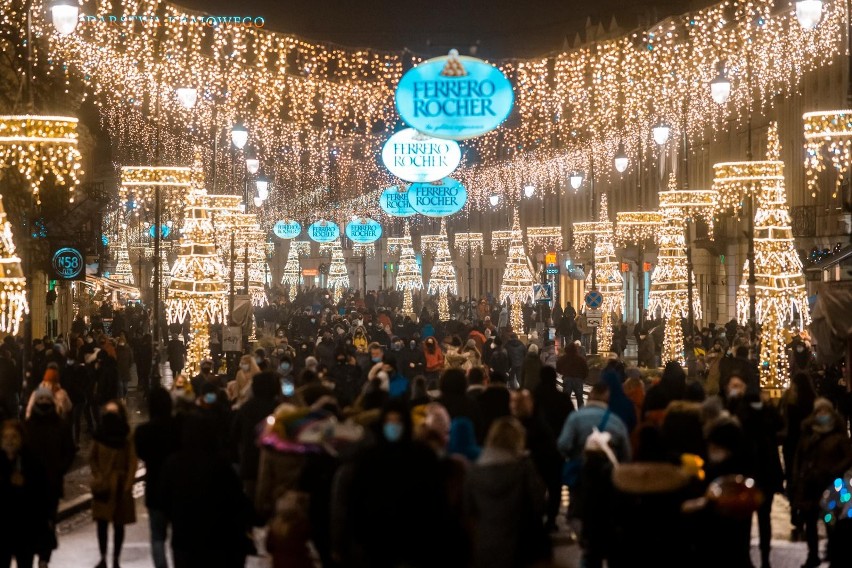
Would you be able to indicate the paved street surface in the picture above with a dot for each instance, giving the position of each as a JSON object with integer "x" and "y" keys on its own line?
{"x": 78, "y": 545}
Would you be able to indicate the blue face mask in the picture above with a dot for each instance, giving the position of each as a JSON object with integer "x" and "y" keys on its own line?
{"x": 376, "y": 359}
{"x": 284, "y": 367}
{"x": 392, "y": 431}
{"x": 824, "y": 419}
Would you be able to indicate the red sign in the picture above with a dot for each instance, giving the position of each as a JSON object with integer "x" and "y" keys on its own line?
{"x": 646, "y": 267}
{"x": 625, "y": 267}
{"x": 310, "y": 272}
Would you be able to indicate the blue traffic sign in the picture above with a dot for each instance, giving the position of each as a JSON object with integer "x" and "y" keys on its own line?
{"x": 593, "y": 299}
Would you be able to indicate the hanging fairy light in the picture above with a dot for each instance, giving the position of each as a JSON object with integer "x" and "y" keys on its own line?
{"x": 338, "y": 275}
{"x": 609, "y": 280}
{"x": 517, "y": 285}
{"x": 548, "y": 238}
{"x": 13, "y": 285}
{"x": 442, "y": 278}
{"x": 140, "y": 184}
{"x": 584, "y": 233}
{"x": 394, "y": 244}
{"x": 364, "y": 250}
{"x": 38, "y": 146}
{"x": 736, "y": 181}
{"x": 465, "y": 242}
{"x": 500, "y": 240}
{"x": 780, "y": 293}
{"x": 409, "y": 277}
{"x": 636, "y": 227}
{"x": 429, "y": 243}
{"x": 827, "y": 134}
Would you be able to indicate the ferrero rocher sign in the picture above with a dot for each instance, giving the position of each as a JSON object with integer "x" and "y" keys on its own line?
{"x": 416, "y": 157}
{"x": 438, "y": 198}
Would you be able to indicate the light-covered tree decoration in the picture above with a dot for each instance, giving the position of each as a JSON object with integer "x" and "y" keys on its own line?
{"x": 409, "y": 277}
{"x": 517, "y": 285}
{"x": 781, "y": 296}
{"x": 442, "y": 278}
{"x": 338, "y": 275}
{"x": 13, "y": 285}
{"x": 123, "y": 272}
{"x": 292, "y": 272}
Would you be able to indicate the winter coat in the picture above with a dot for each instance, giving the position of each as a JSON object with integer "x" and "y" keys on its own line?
{"x": 434, "y": 361}
{"x": 517, "y": 352}
{"x": 572, "y": 364}
{"x": 820, "y": 458}
{"x": 552, "y": 406}
{"x": 531, "y": 371}
{"x": 761, "y": 426}
{"x": 26, "y": 511}
{"x": 505, "y": 499}
{"x": 646, "y": 353}
{"x": 124, "y": 360}
{"x": 155, "y": 441}
{"x": 49, "y": 439}
{"x": 503, "y": 321}
{"x": 499, "y": 362}
{"x": 247, "y": 420}
{"x": 493, "y": 404}
{"x": 113, "y": 475}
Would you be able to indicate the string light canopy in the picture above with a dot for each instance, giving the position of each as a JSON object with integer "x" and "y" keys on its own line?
{"x": 13, "y": 285}
{"x": 828, "y": 138}
{"x": 40, "y": 146}
{"x": 637, "y": 227}
{"x": 272, "y": 83}
{"x": 338, "y": 276}
{"x": 442, "y": 278}
{"x": 465, "y": 242}
{"x": 735, "y": 181}
{"x": 364, "y": 249}
{"x": 292, "y": 272}
{"x": 500, "y": 240}
{"x": 780, "y": 294}
{"x": 517, "y": 285}
{"x": 394, "y": 244}
{"x": 409, "y": 277}
{"x": 547, "y": 238}
{"x": 197, "y": 289}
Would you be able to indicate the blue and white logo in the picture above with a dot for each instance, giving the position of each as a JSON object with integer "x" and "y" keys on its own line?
{"x": 416, "y": 157}
{"x": 324, "y": 231}
{"x": 364, "y": 230}
{"x": 395, "y": 202}
{"x": 437, "y": 199}
{"x": 67, "y": 263}
{"x": 286, "y": 229}
{"x": 454, "y": 97}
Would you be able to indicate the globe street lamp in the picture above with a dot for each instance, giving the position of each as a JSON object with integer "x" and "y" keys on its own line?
{"x": 239, "y": 136}
{"x": 661, "y": 132}
{"x": 576, "y": 179}
{"x": 187, "y": 96}
{"x": 529, "y": 190}
{"x": 809, "y": 13}
{"x": 720, "y": 86}
{"x": 494, "y": 200}
{"x": 252, "y": 165}
{"x": 621, "y": 160}
{"x": 64, "y": 14}
{"x": 262, "y": 185}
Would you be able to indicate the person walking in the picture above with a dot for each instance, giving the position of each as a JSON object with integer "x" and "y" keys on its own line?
{"x": 505, "y": 500}
{"x": 113, "y": 463}
{"x": 155, "y": 441}
{"x": 124, "y": 361}
{"x": 239, "y": 390}
{"x": 517, "y": 352}
{"x": 176, "y": 355}
{"x": 574, "y": 370}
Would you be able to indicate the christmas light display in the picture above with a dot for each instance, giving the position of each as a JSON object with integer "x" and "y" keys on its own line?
{"x": 780, "y": 294}
{"x": 637, "y": 227}
{"x": 165, "y": 270}
{"x": 251, "y": 74}
{"x": 584, "y": 234}
{"x": 122, "y": 272}
{"x": 517, "y": 285}
{"x": 429, "y": 243}
{"x": 338, "y": 275}
{"x": 37, "y": 146}
{"x": 394, "y": 244}
{"x": 442, "y": 278}
{"x": 139, "y": 186}
{"x": 364, "y": 249}
{"x": 292, "y": 272}
{"x": 13, "y": 285}
{"x": 827, "y": 134}
{"x": 465, "y": 242}
{"x": 409, "y": 277}
{"x": 197, "y": 289}
{"x": 500, "y": 240}
{"x": 735, "y": 181}
{"x": 546, "y": 238}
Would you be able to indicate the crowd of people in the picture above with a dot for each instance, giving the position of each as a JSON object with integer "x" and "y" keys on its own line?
{"x": 360, "y": 436}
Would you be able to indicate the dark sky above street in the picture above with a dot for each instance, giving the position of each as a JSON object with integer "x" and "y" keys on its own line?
{"x": 503, "y": 28}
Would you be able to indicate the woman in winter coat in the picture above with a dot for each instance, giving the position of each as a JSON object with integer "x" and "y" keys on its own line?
{"x": 532, "y": 368}
{"x": 505, "y": 500}
{"x": 239, "y": 390}
{"x": 797, "y": 403}
{"x": 113, "y": 464}
{"x": 823, "y": 454}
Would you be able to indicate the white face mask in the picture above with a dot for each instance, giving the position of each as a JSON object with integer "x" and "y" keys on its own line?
{"x": 245, "y": 367}
{"x": 717, "y": 456}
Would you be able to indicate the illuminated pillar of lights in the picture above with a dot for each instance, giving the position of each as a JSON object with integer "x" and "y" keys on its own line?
{"x": 409, "y": 277}
{"x": 13, "y": 292}
{"x": 292, "y": 272}
{"x": 517, "y": 285}
{"x": 442, "y": 278}
{"x": 780, "y": 293}
{"x": 827, "y": 135}
{"x": 123, "y": 272}
{"x": 197, "y": 289}
{"x": 338, "y": 275}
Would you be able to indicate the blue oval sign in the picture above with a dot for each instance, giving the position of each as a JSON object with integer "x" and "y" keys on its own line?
{"x": 395, "y": 203}
{"x": 455, "y": 97}
{"x": 438, "y": 198}
{"x": 286, "y": 229}
{"x": 413, "y": 156}
{"x": 324, "y": 231}
{"x": 364, "y": 231}
{"x": 67, "y": 263}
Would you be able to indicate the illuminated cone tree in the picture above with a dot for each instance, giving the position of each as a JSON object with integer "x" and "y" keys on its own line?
{"x": 442, "y": 278}
{"x": 338, "y": 275}
{"x": 123, "y": 272}
{"x": 780, "y": 287}
{"x": 197, "y": 290}
{"x": 408, "y": 278}
{"x": 292, "y": 272}
{"x": 517, "y": 285}
{"x": 13, "y": 285}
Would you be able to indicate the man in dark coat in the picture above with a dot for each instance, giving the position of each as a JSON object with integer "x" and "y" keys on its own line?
{"x": 516, "y": 351}
{"x": 412, "y": 360}
{"x": 493, "y": 402}
{"x": 156, "y": 441}
{"x": 454, "y": 398}
{"x": 265, "y": 388}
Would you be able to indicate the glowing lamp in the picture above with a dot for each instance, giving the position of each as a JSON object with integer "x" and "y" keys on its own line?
{"x": 252, "y": 165}
{"x": 64, "y": 14}
{"x": 239, "y": 136}
{"x": 187, "y": 96}
{"x": 576, "y": 180}
{"x": 262, "y": 185}
{"x": 809, "y": 13}
{"x": 720, "y": 87}
{"x": 621, "y": 160}
{"x": 661, "y": 132}
{"x": 529, "y": 190}
{"x": 494, "y": 200}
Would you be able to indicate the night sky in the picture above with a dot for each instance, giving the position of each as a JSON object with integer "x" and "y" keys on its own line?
{"x": 502, "y": 28}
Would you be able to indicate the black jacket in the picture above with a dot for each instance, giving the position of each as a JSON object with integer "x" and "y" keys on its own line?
{"x": 493, "y": 404}
{"x": 244, "y": 433}
{"x": 156, "y": 440}
{"x": 516, "y": 351}
{"x": 49, "y": 439}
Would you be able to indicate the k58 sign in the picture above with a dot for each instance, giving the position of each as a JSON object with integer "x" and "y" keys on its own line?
{"x": 454, "y": 97}
{"x": 438, "y": 198}
{"x": 415, "y": 157}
